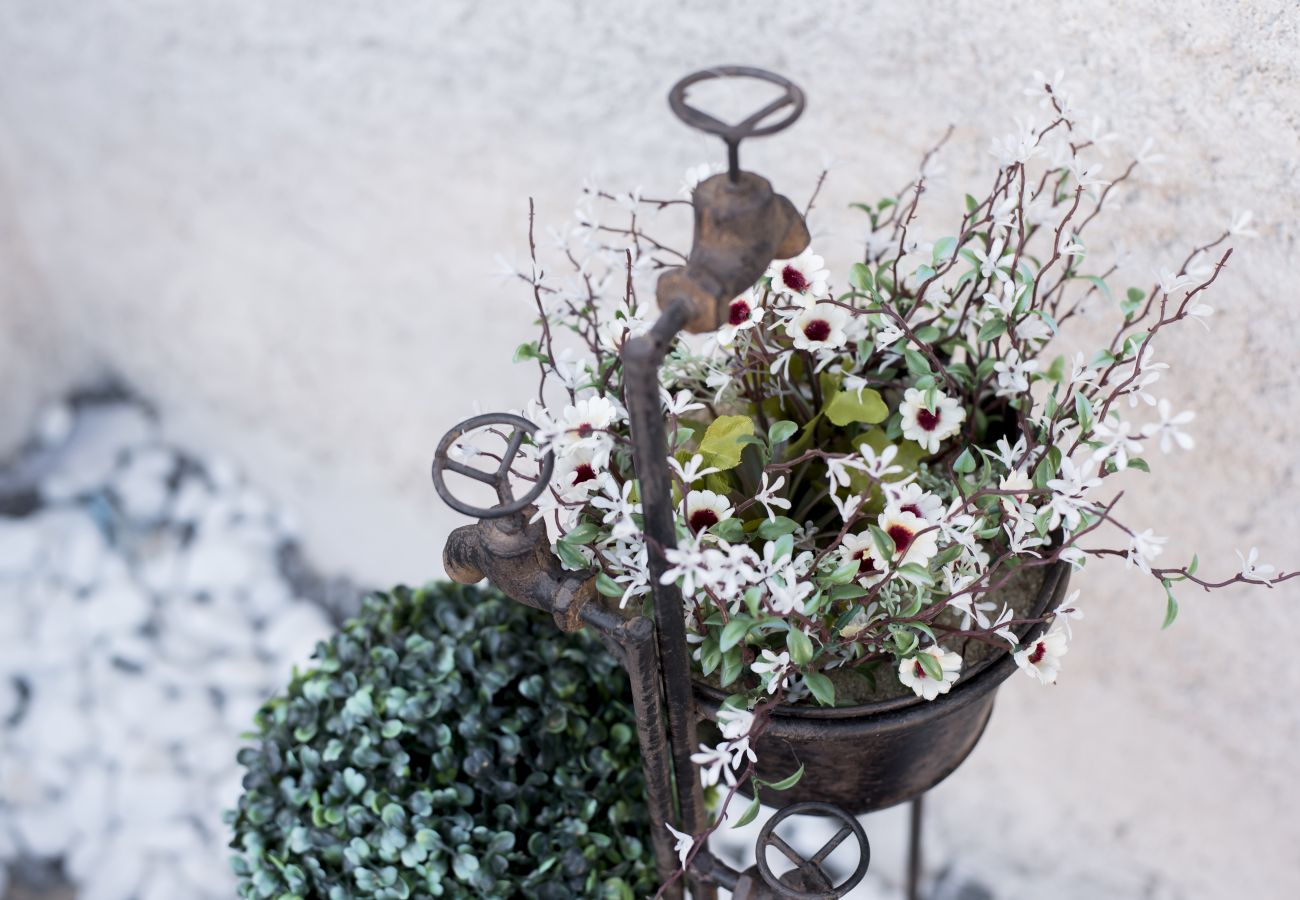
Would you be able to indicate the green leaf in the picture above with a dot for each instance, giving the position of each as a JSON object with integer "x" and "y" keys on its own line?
{"x": 770, "y": 529}
{"x": 730, "y": 530}
{"x": 1100, "y": 284}
{"x": 528, "y": 350}
{"x": 847, "y": 406}
{"x": 721, "y": 445}
{"x": 750, "y": 814}
{"x": 850, "y": 591}
{"x": 733, "y": 663}
{"x": 582, "y": 534}
{"x": 845, "y": 572}
{"x": 607, "y": 586}
{"x": 1056, "y": 371}
{"x": 992, "y": 329}
{"x": 1083, "y": 412}
{"x": 821, "y": 688}
{"x": 783, "y": 547}
{"x": 800, "y": 647}
{"x": 931, "y": 665}
{"x": 790, "y": 780}
{"x": 965, "y": 462}
{"x": 781, "y": 431}
{"x": 1139, "y": 463}
{"x": 917, "y": 364}
{"x": 734, "y": 632}
{"x": 860, "y": 278}
{"x": 1171, "y": 605}
{"x": 943, "y": 250}
{"x": 884, "y": 543}
{"x": 571, "y": 558}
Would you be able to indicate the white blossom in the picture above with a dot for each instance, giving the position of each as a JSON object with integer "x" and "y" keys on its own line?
{"x": 1041, "y": 658}
{"x": 991, "y": 263}
{"x": 1013, "y": 373}
{"x": 693, "y": 470}
{"x": 805, "y": 277}
{"x": 1143, "y": 548}
{"x": 1168, "y": 430}
{"x": 767, "y": 496}
{"x": 685, "y": 843}
{"x": 1117, "y": 441}
{"x": 1239, "y": 225}
{"x": 678, "y": 404}
{"x": 930, "y": 427}
{"x": 912, "y": 673}
{"x": 774, "y": 664}
{"x": 1252, "y": 569}
{"x": 819, "y": 327}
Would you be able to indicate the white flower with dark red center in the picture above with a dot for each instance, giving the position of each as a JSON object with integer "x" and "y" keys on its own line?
{"x": 912, "y": 673}
{"x": 820, "y": 327}
{"x": 917, "y": 500}
{"x": 862, "y": 548}
{"x": 1041, "y": 658}
{"x": 704, "y": 509}
{"x": 915, "y": 541}
{"x": 578, "y": 473}
{"x": 743, "y": 313}
{"x": 584, "y": 425}
{"x": 930, "y": 427}
{"x": 805, "y": 276}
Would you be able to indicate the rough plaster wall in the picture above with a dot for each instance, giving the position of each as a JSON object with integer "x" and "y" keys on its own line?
{"x": 279, "y": 221}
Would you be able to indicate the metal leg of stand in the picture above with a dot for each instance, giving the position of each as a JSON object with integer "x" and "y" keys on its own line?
{"x": 914, "y": 851}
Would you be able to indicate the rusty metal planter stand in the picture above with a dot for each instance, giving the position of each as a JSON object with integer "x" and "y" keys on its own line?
{"x": 741, "y": 225}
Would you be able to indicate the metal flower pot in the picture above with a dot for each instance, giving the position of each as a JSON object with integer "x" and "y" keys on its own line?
{"x": 870, "y": 757}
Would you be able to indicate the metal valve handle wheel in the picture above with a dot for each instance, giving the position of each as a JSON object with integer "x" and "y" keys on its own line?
{"x": 810, "y": 868}
{"x": 499, "y": 479}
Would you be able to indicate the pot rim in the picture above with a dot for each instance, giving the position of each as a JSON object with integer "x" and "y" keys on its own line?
{"x": 886, "y": 715}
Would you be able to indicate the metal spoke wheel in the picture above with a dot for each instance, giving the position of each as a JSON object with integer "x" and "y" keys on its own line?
{"x": 809, "y": 881}
{"x": 752, "y": 125}
{"x": 498, "y": 478}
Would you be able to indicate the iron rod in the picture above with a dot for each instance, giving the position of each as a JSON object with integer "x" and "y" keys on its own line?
{"x": 914, "y": 850}
{"x": 642, "y": 357}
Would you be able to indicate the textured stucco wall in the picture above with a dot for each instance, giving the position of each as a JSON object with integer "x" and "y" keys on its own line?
{"x": 278, "y": 221}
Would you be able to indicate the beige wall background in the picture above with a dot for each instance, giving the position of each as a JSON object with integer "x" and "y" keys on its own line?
{"x": 278, "y": 222}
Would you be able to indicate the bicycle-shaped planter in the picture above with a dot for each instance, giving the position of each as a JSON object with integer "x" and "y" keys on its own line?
{"x": 741, "y": 225}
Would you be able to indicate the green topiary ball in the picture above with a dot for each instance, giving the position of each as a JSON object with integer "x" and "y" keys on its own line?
{"x": 450, "y": 743}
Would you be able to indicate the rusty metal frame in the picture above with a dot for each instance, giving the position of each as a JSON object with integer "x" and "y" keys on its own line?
{"x": 741, "y": 225}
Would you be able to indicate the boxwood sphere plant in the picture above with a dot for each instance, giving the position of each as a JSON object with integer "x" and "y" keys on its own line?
{"x": 449, "y": 743}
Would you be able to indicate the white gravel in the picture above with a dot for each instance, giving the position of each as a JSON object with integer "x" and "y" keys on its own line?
{"x": 144, "y": 616}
